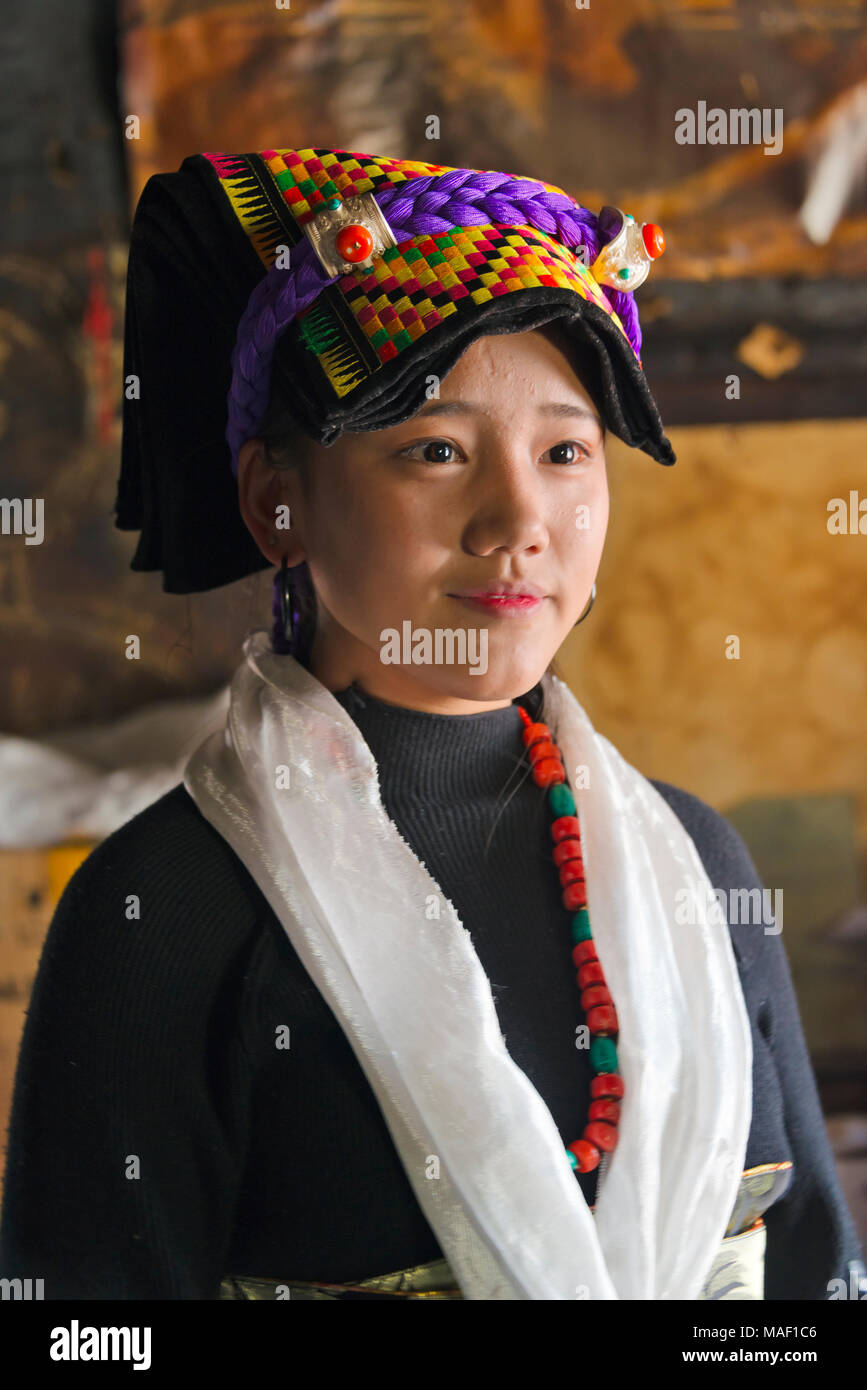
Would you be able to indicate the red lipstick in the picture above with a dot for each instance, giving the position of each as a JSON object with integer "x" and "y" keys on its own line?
{"x": 510, "y": 599}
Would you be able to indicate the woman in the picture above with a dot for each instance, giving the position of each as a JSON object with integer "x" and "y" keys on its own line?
{"x": 414, "y": 987}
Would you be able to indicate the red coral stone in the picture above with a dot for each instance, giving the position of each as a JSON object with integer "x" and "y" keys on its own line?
{"x": 548, "y": 771}
{"x": 602, "y": 1019}
{"x": 596, "y": 994}
{"x": 605, "y": 1110}
{"x": 543, "y": 749}
{"x": 567, "y": 849}
{"x": 602, "y": 1135}
{"x": 590, "y": 974}
{"x": 572, "y": 872}
{"x": 575, "y": 896}
{"x": 607, "y": 1083}
{"x": 565, "y": 827}
{"x": 654, "y": 241}
{"x": 354, "y": 242}
{"x": 588, "y": 1155}
{"x": 584, "y": 951}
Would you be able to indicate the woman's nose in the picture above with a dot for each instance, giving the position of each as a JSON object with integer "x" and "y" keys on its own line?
{"x": 508, "y": 509}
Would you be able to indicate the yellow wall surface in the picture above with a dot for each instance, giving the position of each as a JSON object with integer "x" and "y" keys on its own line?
{"x": 732, "y": 541}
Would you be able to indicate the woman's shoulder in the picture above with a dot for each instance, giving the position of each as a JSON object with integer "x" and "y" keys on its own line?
{"x": 171, "y": 828}
{"x": 167, "y": 865}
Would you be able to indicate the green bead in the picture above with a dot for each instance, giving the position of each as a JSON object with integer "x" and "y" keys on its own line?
{"x": 603, "y": 1055}
{"x": 561, "y": 802}
{"x": 581, "y": 926}
{"x": 624, "y": 273}
{"x": 572, "y": 1159}
{"x": 332, "y": 204}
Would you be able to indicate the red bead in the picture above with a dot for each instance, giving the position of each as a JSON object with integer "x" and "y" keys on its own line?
{"x": 548, "y": 771}
{"x": 607, "y": 1083}
{"x": 543, "y": 749}
{"x": 588, "y": 1155}
{"x": 534, "y": 732}
{"x": 584, "y": 951}
{"x": 574, "y": 896}
{"x": 567, "y": 849}
{"x": 354, "y": 242}
{"x": 564, "y": 827}
{"x": 602, "y": 1019}
{"x": 591, "y": 974}
{"x": 608, "y": 1110}
{"x": 602, "y": 1135}
{"x": 596, "y": 994}
{"x": 572, "y": 872}
{"x": 654, "y": 241}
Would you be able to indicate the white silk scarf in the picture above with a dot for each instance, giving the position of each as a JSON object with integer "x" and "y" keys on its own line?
{"x": 293, "y": 788}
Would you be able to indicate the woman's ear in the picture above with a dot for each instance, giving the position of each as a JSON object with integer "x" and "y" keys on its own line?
{"x": 270, "y": 501}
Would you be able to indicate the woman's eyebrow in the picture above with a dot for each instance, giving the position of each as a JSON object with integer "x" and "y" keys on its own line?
{"x": 555, "y": 408}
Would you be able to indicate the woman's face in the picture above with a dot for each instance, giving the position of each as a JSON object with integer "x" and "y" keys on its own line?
{"x": 500, "y": 478}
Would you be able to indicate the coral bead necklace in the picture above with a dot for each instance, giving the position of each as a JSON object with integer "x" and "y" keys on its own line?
{"x": 606, "y": 1089}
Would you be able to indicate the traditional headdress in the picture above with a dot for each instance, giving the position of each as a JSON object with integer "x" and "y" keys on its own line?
{"x": 345, "y": 280}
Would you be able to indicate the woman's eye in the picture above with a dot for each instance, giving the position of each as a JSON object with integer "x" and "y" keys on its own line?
{"x": 578, "y": 451}
{"x": 569, "y": 452}
{"x": 432, "y": 450}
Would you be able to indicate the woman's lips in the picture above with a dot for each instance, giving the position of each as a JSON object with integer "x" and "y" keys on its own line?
{"x": 509, "y": 605}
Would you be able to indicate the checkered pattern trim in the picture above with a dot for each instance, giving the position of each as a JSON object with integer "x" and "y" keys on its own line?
{"x": 412, "y": 288}
{"x": 307, "y": 178}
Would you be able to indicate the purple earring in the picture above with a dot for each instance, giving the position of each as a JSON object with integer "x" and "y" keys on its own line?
{"x": 284, "y": 611}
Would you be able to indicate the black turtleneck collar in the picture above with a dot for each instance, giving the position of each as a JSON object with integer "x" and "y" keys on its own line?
{"x": 437, "y": 756}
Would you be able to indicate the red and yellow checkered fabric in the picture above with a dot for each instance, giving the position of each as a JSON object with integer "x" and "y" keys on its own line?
{"x": 413, "y": 287}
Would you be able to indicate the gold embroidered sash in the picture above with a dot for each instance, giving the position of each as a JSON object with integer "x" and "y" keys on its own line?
{"x": 737, "y": 1272}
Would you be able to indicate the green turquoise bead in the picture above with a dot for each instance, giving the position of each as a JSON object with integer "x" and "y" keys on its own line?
{"x": 572, "y": 1159}
{"x": 561, "y": 802}
{"x": 603, "y": 1055}
{"x": 581, "y": 926}
{"x": 623, "y": 274}
{"x": 332, "y": 204}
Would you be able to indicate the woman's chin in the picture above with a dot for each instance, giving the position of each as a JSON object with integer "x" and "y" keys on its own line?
{"x": 498, "y": 683}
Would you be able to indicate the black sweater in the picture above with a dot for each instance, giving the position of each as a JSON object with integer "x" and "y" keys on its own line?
{"x": 159, "y": 1140}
